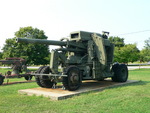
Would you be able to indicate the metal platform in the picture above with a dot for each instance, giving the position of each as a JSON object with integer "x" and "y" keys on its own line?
{"x": 59, "y": 93}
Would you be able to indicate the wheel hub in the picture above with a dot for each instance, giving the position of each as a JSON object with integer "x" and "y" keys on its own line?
{"x": 74, "y": 78}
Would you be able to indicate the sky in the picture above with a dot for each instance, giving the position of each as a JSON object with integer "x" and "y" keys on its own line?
{"x": 128, "y": 19}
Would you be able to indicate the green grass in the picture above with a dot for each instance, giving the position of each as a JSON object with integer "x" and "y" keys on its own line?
{"x": 131, "y": 98}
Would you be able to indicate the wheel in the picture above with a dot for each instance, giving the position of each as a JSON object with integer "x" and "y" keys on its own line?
{"x": 120, "y": 73}
{"x": 73, "y": 80}
{"x": 1, "y": 79}
{"x": 28, "y": 77}
{"x": 37, "y": 78}
{"x": 114, "y": 70}
{"x": 101, "y": 79}
{"x": 45, "y": 81}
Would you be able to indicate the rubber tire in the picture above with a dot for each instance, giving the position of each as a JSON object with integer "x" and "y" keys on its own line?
{"x": 28, "y": 77}
{"x": 67, "y": 80}
{"x": 102, "y": 79}
{"x": 1, "y": 79}
{"x": 46, "y": 83}
{"x": 114, "y": 70}
{"x": 37, "y": 78}
{"x": 120, "y": 73}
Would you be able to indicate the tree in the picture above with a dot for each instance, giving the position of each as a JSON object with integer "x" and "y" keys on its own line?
{"x": 145, "y": 53}
{"x": 1, "y": 54}
{"x": 34, "y": 53}
{"x": 124, "y": 53}
{"x": 147, "y": 44}
{"x": 127, "y": 53}
{"x": 119, "y": 42}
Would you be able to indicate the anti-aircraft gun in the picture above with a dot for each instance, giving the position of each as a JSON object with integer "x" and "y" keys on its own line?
{"x": 18, "y": 66}
{"x": 86, "y": 56}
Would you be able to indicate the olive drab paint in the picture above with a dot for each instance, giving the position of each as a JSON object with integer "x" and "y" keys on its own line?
{"x": 84, "y": 56}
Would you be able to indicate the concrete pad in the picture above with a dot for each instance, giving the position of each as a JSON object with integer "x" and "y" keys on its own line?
{"x": 59, "y": 93}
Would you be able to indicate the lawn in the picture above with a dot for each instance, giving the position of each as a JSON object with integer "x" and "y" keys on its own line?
{"x": 132, "y": 98}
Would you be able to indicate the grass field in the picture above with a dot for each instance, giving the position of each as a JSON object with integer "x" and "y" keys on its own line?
{"x": 132, "y": 98}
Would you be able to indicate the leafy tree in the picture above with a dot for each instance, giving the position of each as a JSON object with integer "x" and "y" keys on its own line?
{"x": 34, "y": 53}
{"x": 119, "y": 42}
{"x": 127, "y": 53}
{"x": 1, "y": 54}
{"x": 145, "y": 53}
{"x": 147, "y": 44}
{"x": 124, "y": 53}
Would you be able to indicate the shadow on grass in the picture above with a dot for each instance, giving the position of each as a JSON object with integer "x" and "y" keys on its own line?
{"x": 138, "y": 83}
{"x": 17, "y": 82}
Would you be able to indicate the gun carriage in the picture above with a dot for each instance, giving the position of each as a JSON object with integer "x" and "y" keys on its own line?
{"x": 85, "y": 56}
{"x": 19, "y": 69}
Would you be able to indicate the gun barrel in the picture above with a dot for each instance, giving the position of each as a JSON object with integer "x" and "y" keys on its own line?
{"x": 42, "y": 41}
